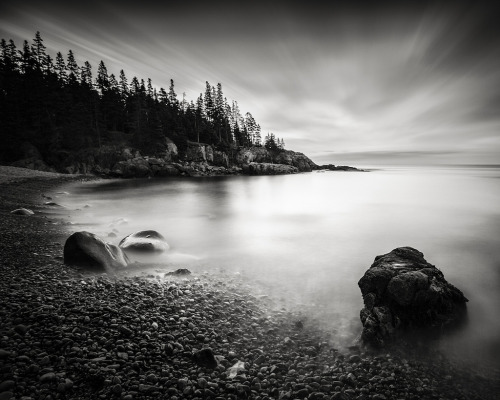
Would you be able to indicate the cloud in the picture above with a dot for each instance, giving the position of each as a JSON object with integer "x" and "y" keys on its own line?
{"x": 389, "y": 78}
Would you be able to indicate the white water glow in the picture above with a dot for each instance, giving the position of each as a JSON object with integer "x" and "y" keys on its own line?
{"x": 310, "y": 237}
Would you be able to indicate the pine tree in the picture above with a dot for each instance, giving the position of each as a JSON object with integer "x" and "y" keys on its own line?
{"x": 123, "y": 84}
{"x": 251, "y": 126}
{"x": 72, "y": 68}
{"x": 86, "y": 75}
{"x": 172, "y": 96}
{"x": 102, "y": 79}
{"x": 257, "y": 137}
{"x": 134, "y": 85}
{"x": 208, "y": 101}
{"x": 150, "y": 88}
{"x": 27, "y": 59}
{"x": 60, "y": 68}
{"x": 38, "y": 50}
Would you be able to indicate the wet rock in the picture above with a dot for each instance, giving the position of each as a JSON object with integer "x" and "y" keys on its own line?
{"x": 7, "y": 385}
{"x": 404, "y": 294}
{"x": 205, "y": 358}
{"x": 22, "y": 211}
{"x": 179, "y": 272}
{"x": 4, "y": 354}
{"x": 7, "y": 395}
{"x": 21, "y": 329}
{"x": 48, "y": 377}
{"x": 84, "y": 249}
{"x": 145, "y": 242}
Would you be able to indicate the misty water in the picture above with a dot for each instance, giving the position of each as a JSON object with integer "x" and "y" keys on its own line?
{"x": 308, "y": 238}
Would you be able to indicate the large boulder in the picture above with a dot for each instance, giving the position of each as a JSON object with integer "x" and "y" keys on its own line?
{"x": 404, "y": 295}
{"x": 144, "y": 242}
{"x": 84, "y": 249}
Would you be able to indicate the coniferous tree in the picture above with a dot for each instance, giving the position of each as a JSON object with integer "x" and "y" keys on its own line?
{"x": 73, "y": 68}
{"x": 60, "y": 68}
{"x": 102, "y": 79}
{"x": 38, "y": 50}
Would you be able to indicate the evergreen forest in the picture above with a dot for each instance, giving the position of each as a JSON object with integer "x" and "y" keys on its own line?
{"x": 60, "y": 107}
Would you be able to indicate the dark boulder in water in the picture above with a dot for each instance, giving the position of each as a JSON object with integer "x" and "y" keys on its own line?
{"x": 84, "y": 249}
{"x": 144, "y": 242}
{"x": 403, "y": 295}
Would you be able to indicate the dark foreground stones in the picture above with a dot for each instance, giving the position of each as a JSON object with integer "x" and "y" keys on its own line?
{"x": 403, "y": 295}
{"x": 84, "y": 249}
{"x": 144, "y": 242}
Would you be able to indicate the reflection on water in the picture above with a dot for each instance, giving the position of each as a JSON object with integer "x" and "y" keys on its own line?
{"x": 310, "y": 237}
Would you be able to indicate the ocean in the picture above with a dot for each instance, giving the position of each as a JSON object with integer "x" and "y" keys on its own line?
{"x": 307, "y": 239}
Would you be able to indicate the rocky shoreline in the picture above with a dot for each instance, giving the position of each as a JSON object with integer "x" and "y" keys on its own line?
{"x": 66, "y": 334}
{"x": 197, "y": 160}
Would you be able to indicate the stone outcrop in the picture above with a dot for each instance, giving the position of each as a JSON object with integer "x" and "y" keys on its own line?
{"x": 260, "y": 155}
{"x": 254, "y": 154}
{"x": 268, "y": 169}
{"x": 84, "y": 249}
{"x": 331, "y": 167}
{"x": 404, "y": 295}
{"x": 221, "y": 159}
{"x": 144, "y": 242}
{"x": 199, "y": 152}
{"x": 298, "y": 160}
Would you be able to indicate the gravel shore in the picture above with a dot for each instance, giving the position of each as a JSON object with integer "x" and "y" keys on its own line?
{"x": 65, "y": 334}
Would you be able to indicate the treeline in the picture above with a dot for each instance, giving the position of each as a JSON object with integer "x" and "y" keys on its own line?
{"x": 59, "y": 107}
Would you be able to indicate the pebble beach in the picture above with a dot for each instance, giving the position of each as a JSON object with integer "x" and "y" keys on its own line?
{"x": 68, "y": 334}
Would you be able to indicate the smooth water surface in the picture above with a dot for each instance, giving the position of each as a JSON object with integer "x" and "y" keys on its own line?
{"x": 309, "y": 238}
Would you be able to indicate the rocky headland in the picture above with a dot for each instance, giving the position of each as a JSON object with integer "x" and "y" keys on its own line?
{"x": 197, "y": 159}
{"x": 66, "y": 333}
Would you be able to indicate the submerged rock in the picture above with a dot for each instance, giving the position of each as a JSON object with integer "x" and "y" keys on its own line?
{"x": 84, "y": 249}
{"x": 179, "y": 272}
{"x": 404, "y": 294}
{"x": 144, "y": 242}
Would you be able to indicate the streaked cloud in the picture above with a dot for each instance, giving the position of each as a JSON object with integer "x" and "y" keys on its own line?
{"x": 385, "y": 80}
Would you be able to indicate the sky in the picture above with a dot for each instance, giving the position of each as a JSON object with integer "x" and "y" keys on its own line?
{"x": 357, "y": 83}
